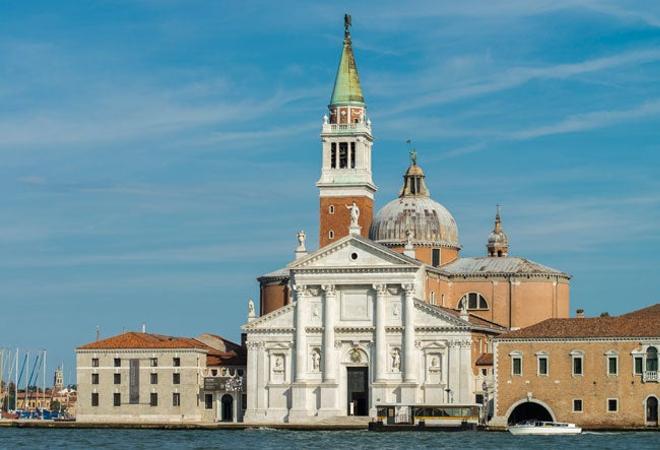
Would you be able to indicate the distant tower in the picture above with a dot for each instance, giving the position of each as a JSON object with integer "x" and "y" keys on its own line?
{"x": 498, "y": 242}
{"x": 347, "y": 140}
{"x": 58, "y": 381}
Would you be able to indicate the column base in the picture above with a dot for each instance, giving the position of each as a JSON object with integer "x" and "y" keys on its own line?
{"x": 329, "y": 395}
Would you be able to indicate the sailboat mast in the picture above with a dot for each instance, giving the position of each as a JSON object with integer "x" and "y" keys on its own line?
{"x": 16, "y": 384}
{"x": 43, "y": 386}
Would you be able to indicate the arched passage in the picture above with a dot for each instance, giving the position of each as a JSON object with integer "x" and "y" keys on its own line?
{"x": 227, "y": 402}
{"x": 529, "y": 410}
{"x": 652, "y": 411}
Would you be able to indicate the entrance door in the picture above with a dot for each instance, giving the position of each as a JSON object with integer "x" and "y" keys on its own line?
{"x": 358, "y": 390}
{"x": 652, "y": 411}
{"x": 227, "y": 408}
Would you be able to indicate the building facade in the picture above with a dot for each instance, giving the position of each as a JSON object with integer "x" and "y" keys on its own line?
{"x": 386, "y": 311}
{"x": 150, "y": 378}
{"x": 596, "y": 372}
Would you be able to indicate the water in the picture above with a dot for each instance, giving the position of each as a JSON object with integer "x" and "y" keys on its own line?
{"x": 13, "y": 438}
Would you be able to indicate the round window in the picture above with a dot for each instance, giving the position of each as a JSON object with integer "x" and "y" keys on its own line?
{"x": 354, "y": 256}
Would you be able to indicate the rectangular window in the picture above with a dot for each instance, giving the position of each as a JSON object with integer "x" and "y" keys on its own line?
{"x": 153, "y": 362}
{"x": 117, "y": 362}
{"x": 117, "y": 378}
{"x": 153, "y": 399}
{"x": 577, "y": 405}
{"x": 479, "y": 399}
{"x": 134, "y": 381}
{"x": 577, "y": 365}
{"x": 517, "y": 366}
{"x": 436, "y": 257}
{"x": 612, "y": 366}
{"x": 153, "y": 378}
{"x": 208, "y": 401}
{"x": 116, "y": 399}
{"x": 176, "y": 378}
{"x": 333, "y": 155}
{"x": 95, "y": 362}
{"x": 95, "y": 399}
{"x": 343, "y": 155}
{"x": 639, "y": 365}
{"x": 543, "y": 365}
{"x": 352, "y": 155}
{"x": 176, "y": 399}
{"x": 176, "y": 362}
{"x": 612, "y": 405}
{"x": 95, "y": 378}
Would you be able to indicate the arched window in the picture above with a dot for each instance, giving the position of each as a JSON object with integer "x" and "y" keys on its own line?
{"x": 331, "y": 209}
{"x": 474, "y": 301}
{"x": 331, "y": 234}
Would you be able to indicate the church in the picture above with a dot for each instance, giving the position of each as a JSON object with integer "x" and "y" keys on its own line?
{"x": 387, "y": 312}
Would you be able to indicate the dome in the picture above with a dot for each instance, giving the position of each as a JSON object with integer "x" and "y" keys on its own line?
{"x": 431, "y": 223}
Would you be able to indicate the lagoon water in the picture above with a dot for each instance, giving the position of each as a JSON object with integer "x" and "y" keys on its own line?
{"x": 14, "y": 438}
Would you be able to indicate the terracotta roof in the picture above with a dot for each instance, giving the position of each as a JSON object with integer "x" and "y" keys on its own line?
{"x": 474, "y": 320}
{"x": 485, "y": 359}
{"x": 498, "y": 265}
{"x": 133, "y": 339}
{"x": 641, "y": 323}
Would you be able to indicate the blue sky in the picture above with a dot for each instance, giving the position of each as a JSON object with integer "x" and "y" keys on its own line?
{"x": 156, "y": 156}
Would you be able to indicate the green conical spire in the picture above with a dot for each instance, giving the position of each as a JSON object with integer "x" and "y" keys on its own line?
{"x": 347, "y": 90}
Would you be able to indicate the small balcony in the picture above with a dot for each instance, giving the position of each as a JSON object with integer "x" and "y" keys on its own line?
{"x": 650, "y": 376}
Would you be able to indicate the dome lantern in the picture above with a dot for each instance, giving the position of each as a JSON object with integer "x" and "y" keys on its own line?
{"x": 498, "y": 242}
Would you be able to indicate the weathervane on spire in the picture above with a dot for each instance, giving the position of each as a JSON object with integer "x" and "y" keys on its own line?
{"x": 413, "y": 153}
{"x": 347, "y": 24}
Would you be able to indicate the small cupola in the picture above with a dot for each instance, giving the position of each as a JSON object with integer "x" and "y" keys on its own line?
{"x": 413, "y": 180}
{"x": 498, "y": 242}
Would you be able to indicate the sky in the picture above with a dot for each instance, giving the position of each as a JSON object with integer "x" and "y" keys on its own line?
{"x": 156, "y": 156}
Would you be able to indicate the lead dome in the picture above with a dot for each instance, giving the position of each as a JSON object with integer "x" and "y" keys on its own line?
{"x": 431, "y": 224}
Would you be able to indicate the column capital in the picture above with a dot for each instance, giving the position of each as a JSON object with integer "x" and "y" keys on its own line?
{"x": 299, "y": 289}
{"x": 409, "y": 288}
{"x": 381, "y": 289}
{"x": 330, "y": 290}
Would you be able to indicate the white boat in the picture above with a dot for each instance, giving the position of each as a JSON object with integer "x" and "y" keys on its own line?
{"x": 538, "y": 428}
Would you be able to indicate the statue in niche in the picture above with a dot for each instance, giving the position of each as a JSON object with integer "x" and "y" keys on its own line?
{"x": 396, "y": 360}
{"x": 315, "y": 312}
{"x": 316, "y": 360}
{"x": 435, "y": 363}
{"x": 355, "y": 214}
{"x": 279, "y": 364}
{"x": 395, "y": 310}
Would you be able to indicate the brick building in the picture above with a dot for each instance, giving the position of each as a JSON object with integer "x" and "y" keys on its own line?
{"x": 596, "y": 372}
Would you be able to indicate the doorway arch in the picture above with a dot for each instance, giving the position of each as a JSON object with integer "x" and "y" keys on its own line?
{"x": 525, "y": 410}
{"x": 651, "y": 411}
{"x": 227, "y": 408}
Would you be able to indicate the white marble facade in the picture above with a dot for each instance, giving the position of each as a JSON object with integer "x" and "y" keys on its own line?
{"x": 355, "y": 310}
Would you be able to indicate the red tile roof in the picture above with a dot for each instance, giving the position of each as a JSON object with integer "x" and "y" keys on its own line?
{"x": 641, "y": 323}
{"x": 485, "y": 359}
{"x": 132, "y": 339}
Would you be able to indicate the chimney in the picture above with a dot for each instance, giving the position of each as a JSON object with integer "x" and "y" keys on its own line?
{"x": 579, "y": 313}
{"x": 144, "y": 327}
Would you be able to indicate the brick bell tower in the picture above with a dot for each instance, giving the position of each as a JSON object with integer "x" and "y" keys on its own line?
{"x": 346, "y": 139}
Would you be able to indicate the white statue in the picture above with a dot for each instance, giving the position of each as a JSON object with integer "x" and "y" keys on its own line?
{"x": 325, "y": 119}
{"x": 251, "y": 311}
{"x": 435, "y": 362}
{"x": 396, "y": 360}
{"x": 301, "y": 240}
{"x": 316, "y": 360}
{"x": 409, "y": 238}
{"x": 395, "y": 310}
{"x": 279, "y": 364}
{"x": 355, "y": 214}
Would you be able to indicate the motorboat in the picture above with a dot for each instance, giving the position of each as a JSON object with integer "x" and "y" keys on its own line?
{"x": 539, "y": 428}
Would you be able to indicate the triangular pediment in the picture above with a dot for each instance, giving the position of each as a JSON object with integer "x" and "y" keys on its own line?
{"x": 430, "y": 316}
{"x": 281, "y": 318}
{"x": 354, "y": 251}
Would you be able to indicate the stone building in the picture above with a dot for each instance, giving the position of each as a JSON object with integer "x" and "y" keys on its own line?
{"x": 596, "y": 372}
{"x": 143, "y": 377}
{"x": 384, "y": 288}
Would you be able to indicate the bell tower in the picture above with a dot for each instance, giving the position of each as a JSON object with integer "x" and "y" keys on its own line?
{"x": 346, "y": 141}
